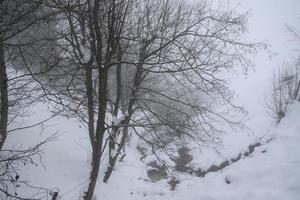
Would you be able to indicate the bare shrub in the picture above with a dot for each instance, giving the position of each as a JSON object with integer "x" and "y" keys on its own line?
{"x": 11, "y": 182}
{"x": 284, "y": 91}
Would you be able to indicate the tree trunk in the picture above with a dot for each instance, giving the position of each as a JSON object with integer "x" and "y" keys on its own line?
{"x": 125, "y": 123}
{"x": 113, "y": 160}
{"x": 100, "y": 130}
{"x": 297, "y": 92}
{"x": 115, "y": 129}
{"x": 90, "y": 103}
{"x": 4, "y": 97}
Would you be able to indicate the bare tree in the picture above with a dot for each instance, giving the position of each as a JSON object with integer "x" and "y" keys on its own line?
{"x": 17, "y": 19}
{"x": 151, "y": 64}
{"x": 178, "y": 54}
{"x": 90, "y": 38}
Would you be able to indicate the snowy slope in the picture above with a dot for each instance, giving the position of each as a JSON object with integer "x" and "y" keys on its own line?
{"x": 271, "y": 175}
{"x": 270, "y": 172}
{"x": 64, "y": 161}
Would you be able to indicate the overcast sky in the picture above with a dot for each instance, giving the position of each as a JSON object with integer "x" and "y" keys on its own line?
{"x": 266, "y": 23}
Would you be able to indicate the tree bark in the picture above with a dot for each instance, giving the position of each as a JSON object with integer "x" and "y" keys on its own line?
{"x": 4, "y": 97}
{"x": 297, "y": 91}
{"x": 113, "y": 136}
{"x": 100, "y": 130}
{"x": 125, "y": 123}
{"x": 113, "y": 159}
{"x": 90, "y": 103}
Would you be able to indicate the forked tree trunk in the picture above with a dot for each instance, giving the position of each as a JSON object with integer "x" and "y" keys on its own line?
{"x": 4, "y": 97}
{"x": 100, "y": 130}
{"x": 125, "y": 123}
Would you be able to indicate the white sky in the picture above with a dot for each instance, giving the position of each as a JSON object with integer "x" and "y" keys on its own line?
{"x": 266, "y": 23}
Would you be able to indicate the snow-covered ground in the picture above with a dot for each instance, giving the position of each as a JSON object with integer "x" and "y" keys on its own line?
{"x": 270, "y": 172}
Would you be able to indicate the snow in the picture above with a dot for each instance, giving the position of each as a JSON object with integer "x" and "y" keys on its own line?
{"x": 116, "y": 121}
{"x": 65, "y": 160}
{"x": 270, "y": 172}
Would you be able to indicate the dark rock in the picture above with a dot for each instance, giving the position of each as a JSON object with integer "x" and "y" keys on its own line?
{"x": 200, "y": 172}
{"x": 213, "y": 168}
{"x": 173, "y": 182}
{"x": 154, "y": 165}
{"x": 158, "y": 173}
{"x": 183, "y": 159}
{"x": 227, "y": 180}
{"x": 142, "y": 151}
{"x": 237, "y": 158}
{"x": 224, "y": 164}
{"x": 253, "y": 146}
